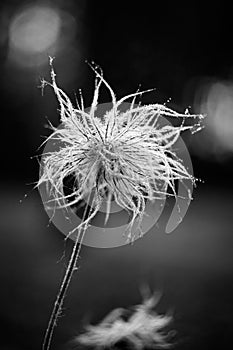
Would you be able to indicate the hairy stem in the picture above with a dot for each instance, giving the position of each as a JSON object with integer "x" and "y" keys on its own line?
{"x": 72, "y": 266}
{"x": 63, "y": 289}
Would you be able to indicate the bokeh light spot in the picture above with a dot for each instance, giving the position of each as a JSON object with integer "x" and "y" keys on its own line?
{"x": 33, "y": 31}
{"x": 214, "y": 98}
{"x": 220, "y": 108}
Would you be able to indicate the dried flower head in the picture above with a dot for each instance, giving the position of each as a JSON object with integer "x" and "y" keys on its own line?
{"x": 125, "y": 155}
{"x": 144, "y": 328}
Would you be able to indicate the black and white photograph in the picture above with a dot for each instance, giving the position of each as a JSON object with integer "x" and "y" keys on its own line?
{"x": 116, "y": 181}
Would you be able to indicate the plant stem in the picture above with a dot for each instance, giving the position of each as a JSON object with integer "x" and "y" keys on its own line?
{"x": 63, "y": 289}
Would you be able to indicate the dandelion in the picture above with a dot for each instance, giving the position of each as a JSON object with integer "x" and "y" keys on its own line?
{"x": 144, "y": 328}
{"x": 125, "y": 156}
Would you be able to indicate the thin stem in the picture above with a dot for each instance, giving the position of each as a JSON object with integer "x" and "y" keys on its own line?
{"x": 62, "y": 292}
{"x": 65, "y": 283}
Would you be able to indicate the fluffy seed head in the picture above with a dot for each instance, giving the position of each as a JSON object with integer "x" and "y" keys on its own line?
{"x": 124, "y": 155}
{"x": 143, "y": 329}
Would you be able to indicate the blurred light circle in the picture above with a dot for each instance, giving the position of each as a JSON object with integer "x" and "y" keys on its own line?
{"x": 34, "y": 29}
{"x": 215, "y": 99}
{"x": 220, "y": 107}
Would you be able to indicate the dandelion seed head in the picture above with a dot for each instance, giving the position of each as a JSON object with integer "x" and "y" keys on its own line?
{"x": 125, "y": 155}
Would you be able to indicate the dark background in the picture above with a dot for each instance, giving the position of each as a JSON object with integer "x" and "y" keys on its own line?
{"x": 171, "y": 46}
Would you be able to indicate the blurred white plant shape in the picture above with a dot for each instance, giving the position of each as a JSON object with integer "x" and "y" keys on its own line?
{"x": 144, "y": 328}
{"x": 126, "y": 156}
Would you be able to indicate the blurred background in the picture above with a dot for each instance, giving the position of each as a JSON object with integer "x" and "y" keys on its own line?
{"x": 185, "y": 52}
